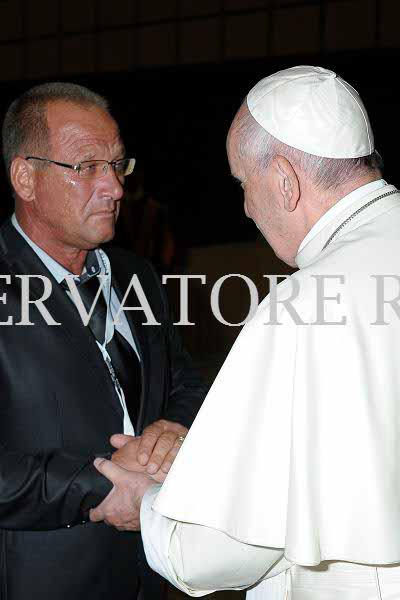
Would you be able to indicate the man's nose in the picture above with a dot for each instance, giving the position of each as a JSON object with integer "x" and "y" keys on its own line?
{"x": 114, "y": 185}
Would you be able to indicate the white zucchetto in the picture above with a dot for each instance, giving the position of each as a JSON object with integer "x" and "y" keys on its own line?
{"x": 314, "y": 110}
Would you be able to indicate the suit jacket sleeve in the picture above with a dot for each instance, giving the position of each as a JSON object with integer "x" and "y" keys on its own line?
{"x": 48, "y": 490}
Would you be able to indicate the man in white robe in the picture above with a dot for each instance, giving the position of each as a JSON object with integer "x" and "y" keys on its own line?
{"x": 289, "y": 480}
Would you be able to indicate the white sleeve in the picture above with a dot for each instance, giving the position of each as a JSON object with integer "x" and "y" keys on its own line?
{"x": 199, "y": 560}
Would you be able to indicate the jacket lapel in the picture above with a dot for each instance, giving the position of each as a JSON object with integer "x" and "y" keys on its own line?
{"x": 22, "y": 260}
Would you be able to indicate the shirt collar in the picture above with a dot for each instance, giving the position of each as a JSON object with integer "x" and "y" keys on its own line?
{"x": 93, "y": 265}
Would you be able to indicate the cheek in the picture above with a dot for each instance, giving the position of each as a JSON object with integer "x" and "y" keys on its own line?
{"x": 75, "y": 197}
{"x": 246, "y": 206}
{"x": 244, "y": 200}
{"x": 63, "y": 203}
{"x": 50, "y": 195}
{"x": 249, "y": 203}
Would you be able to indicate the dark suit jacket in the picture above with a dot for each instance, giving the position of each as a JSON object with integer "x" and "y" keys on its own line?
{"x": 58, "y": 408}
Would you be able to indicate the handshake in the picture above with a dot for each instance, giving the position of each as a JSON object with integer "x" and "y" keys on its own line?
{"x": 137, "y": 464}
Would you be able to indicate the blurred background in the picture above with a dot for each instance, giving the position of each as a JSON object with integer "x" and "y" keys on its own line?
{"x": 175, "y": 72}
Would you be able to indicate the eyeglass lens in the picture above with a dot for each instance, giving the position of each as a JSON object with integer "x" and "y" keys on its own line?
{"x": 98, "y": 168}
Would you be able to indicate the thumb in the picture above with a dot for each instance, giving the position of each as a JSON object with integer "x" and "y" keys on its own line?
{"x": 109, "y": 469}
{"x": 118, "y": 440}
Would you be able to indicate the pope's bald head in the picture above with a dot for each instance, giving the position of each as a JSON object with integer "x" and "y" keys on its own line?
{"x": 252, "y": 142}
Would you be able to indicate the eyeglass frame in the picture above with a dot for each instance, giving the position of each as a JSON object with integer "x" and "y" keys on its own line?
{"x": 78, "y": 166}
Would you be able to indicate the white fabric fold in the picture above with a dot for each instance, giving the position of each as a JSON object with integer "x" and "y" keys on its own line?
{"x": 296, "y": 445}
{"x": 199, "y": 560}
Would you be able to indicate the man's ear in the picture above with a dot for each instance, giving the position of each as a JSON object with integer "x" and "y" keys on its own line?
{"x": 22, "y": 179}
{"x": 288, "y": 183}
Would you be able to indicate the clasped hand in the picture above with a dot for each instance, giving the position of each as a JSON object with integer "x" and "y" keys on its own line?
{"x": 138, "y": 463}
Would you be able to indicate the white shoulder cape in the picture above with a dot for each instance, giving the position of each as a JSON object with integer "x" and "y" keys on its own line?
{"x": 297, "y": 445}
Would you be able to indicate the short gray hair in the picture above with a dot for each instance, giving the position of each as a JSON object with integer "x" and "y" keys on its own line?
{"x": 326, "y": 173}
{"x": 25, "y": 128}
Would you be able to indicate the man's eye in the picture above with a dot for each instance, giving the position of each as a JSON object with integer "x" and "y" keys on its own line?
{"x": 90, "y": 168}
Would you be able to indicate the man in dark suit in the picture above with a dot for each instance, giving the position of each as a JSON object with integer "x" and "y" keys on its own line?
{"x": 66, "y": 388}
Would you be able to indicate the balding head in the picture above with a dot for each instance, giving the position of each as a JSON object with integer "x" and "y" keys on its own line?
{"x": 299, "y": 143}
{"x": 327, "y": 174}
{"x": 287, "y": 190}
{"x": 25, "y": 127}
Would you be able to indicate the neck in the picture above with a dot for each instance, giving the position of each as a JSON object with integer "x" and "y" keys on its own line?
{"x": 72, "y": 259}
{"x": 320, "y": 203}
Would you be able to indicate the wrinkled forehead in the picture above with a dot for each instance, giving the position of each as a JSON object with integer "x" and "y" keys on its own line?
{"x": 236, "y": 162}
{"x": 235, "y": 130}
{"x": 72, "y": 124}
{"x": 232, "y": 142}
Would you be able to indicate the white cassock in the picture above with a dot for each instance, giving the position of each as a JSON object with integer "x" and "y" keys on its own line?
{"x": 294, "y": 458}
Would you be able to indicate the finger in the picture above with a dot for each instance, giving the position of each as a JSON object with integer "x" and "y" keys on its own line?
{"x": 118, "y": 440}
{"x": 148, "y": 440}
{"x": 163, "y": 446}
{"x": 111, "y": 470}
{"x": 172, "y": 426}
{"x": 134, "y": 526}
{"x": 159, "y": 477}
{"x": 96, "y": 515}
{"x": 169, "y": 459}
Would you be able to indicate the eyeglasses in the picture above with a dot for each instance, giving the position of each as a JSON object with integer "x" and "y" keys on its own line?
{"x": 92, "y": 169}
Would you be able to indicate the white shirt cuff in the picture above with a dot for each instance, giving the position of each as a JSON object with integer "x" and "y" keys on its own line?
{"x": 199, "y": 560}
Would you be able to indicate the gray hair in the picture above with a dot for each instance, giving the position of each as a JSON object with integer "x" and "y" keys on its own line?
{"x": 25, "y": 128}
{"x": 326, "y": 173}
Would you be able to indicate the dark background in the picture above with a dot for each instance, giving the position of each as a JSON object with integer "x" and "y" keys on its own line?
{"x": 175, "y": 72}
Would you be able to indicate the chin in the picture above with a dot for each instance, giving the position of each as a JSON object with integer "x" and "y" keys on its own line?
{"x": 286, "y": 259}
{"x": 101, "y": 236}
{"x": 292, "y": 263}
{"x": 107, "y": 237}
